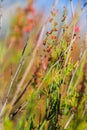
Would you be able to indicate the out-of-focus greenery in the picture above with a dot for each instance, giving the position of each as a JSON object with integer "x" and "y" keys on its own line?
{"x": 53, "y": 95}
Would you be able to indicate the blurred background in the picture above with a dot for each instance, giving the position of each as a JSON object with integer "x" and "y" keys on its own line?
{"x": 9, "y": 9}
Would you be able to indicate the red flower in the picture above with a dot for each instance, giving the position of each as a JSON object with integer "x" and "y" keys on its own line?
{"x": 76, "y": 29}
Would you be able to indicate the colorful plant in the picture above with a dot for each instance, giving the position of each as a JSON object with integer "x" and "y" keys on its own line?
{"x": 48, "y": 89}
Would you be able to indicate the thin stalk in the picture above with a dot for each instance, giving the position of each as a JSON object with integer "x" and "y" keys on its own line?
{"x": 68, "y": 122}
{"x": 13, "y": 79}
{"x": 72, "y": 40}
{"x": 31, "y": 62}
{"x": 83, "y": 56}
{"x": 19, "y": 109}
{"x": 54, "y": 65}
{"x": 54, "y": 4}
{"x": 73, "y": 75}
{"x": 72, "y": 10}
{"x": 23, "y": 92}
{"x": 69, "y": 50}
{"x": 29, "y": 67}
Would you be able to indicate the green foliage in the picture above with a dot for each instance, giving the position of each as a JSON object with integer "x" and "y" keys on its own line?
{"x": 8, "y": 125}
{"x": 58, "y": 87}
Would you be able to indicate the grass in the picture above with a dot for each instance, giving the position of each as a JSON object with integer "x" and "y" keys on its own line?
{"x": 47, "y": 87}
